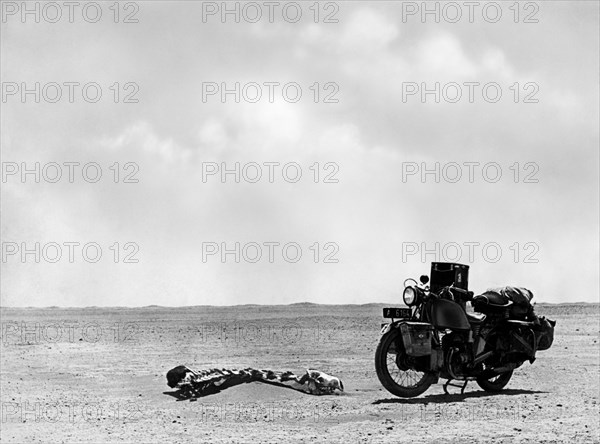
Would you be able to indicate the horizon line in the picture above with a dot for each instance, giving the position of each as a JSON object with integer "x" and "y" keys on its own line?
{"x": 246, "y": 305}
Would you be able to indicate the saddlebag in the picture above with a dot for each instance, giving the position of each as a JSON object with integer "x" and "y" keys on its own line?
{"x": 544, "y": 333}
{"x": 416, "y": 337}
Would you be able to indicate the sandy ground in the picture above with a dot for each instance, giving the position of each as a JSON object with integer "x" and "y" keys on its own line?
{"x": 98, "y": 375}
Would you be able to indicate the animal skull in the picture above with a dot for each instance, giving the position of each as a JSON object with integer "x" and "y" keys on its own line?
{"x": 324, "y": 381}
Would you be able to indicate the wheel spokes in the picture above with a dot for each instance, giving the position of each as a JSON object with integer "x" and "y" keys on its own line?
{"x": 405, "y": 378}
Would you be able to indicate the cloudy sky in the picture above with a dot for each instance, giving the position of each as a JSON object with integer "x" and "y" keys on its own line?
{"x": 361, "y": 122}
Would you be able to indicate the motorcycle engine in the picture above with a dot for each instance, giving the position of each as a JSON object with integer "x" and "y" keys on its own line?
{"x": 455, "y": 353}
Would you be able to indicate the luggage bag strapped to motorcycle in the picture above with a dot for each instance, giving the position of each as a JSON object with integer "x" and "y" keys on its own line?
{"x": 521, "y": 299}
{"x": 521, "y": 309}
{"x": 495, "y": 299}
{"x": 416, "y": 337}
{"x": 544, "y": 333}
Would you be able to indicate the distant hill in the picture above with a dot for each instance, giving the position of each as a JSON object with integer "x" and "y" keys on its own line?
{"x": 294, "y": 304}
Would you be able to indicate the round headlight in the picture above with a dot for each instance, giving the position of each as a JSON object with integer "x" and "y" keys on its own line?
{"x": 409, "y": 296}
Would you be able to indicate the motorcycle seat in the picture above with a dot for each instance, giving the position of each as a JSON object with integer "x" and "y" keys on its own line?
{"x": 476, "y": 318}
{"x": 492, "y": 298}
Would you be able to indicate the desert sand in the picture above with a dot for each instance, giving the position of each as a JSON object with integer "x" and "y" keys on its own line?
{"x": 98, "y": 375}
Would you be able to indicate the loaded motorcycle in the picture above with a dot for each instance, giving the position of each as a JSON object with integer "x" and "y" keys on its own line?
{"x": 436, "y": 337}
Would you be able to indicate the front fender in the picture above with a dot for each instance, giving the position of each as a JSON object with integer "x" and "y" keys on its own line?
{"x": 386, "y": 327}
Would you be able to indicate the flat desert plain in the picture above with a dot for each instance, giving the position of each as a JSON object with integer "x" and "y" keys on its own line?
{"x": 98, "y": 375}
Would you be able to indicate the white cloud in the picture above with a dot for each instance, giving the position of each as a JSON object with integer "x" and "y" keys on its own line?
{"x": 443, "y": 56}
{"x": 367, "y": 31}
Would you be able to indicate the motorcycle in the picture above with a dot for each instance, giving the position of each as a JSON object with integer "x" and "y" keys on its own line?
{"x": 436, "y": 337}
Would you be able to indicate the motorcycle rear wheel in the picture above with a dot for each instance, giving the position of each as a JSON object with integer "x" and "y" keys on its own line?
{"x": 495, "y": 383}
{"x": 389, "y": 358}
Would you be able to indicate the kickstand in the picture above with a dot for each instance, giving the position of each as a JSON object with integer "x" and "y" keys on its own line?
{"x": 462, "y": 387}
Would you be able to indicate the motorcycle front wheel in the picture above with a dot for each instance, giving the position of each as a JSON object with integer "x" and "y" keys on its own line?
{"x": 393, "y": 368}
{"x": 495, "y": 383}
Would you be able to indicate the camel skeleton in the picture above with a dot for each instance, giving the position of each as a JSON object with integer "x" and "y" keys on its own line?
{"x": 195, "y": 384}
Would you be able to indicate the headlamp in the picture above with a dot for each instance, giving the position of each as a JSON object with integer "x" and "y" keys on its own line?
{"x": 410, "y": 296}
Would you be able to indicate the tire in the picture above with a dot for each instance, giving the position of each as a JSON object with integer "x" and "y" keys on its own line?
{"x": 409, "y": 383}
{"x": 496, "y": 383}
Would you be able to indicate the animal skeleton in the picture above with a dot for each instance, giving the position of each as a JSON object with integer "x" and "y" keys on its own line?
{"x": 194, "y": 384}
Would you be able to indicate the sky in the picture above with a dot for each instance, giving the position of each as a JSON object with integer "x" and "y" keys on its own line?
{"x": 345, "y": 95}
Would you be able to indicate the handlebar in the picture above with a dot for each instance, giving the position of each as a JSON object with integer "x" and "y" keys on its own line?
{"x": 460, "y": 290}
{"x": 467, "y": 295}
